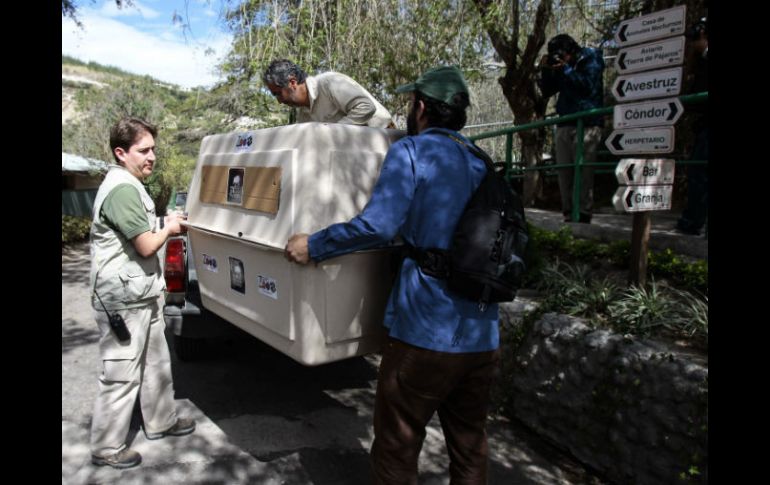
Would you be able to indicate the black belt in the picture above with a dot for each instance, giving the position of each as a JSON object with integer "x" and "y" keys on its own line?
{"x": 433, "y": 261}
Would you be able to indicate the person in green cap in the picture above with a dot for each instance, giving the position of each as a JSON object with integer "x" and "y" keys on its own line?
{"x": 442, "y": 349}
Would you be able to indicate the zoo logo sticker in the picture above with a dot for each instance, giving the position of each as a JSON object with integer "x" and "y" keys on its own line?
{"x": 244, "y": 142}
{"x": 210, "y": 263}
{"x": 267, "y": 286}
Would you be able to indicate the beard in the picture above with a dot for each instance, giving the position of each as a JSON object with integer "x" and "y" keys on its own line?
{"x": 411, "y": 121}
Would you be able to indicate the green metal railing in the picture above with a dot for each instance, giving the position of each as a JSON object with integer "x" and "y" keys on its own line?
{"x": 579, "y": 162}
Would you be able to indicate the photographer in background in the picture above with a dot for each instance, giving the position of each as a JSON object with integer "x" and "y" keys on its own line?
{"x": 576, "y": 74}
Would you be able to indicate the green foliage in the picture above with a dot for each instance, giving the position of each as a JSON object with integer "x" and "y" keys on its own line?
{"x": 101, "y": 108}
{"x": 69, "y": 8}
{"x": 74, "y": 229}
{"x": 619, "y": 253}
{"x": 65, "y": 59}
{"x": 667, "y": 264}
{"x": 694, "y": 314}
{"x": 594, "y": 300}
{"x": 180, "y": 129}
{"x": 644, "y": 309}
{"x": 379, "y": 43}
{"x": 173, "y": 171}
{"x": 111, "y": 70}
{"x": 574, "y": 290}
{"x": 690, "y": 275}
{"x": 649, "y": 310}
{"x": 534, "y": 260}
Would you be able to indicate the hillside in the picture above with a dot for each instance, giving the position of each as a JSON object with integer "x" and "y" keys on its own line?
{"x": 187, "y": 116}
{"x": 77, "y": 76}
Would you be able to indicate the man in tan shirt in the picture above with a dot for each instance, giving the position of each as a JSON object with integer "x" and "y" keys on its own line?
{"x": 330, "y": 97}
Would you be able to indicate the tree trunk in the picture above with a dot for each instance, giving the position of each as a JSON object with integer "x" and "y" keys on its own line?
{"x": 527, "y": 106}
{"x": 518, "y": 83}
{"x": 531, "y": 153}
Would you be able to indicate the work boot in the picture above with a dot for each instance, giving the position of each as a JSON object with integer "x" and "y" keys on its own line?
{"x": 125, "y": 458}
{"x": 182, "y": 427}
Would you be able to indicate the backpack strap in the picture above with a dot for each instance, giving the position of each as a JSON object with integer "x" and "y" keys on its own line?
{"x": 434, "y": 261}
{"x": 473, "y": 148}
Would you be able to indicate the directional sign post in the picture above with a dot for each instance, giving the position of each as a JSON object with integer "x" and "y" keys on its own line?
{"x": 651, "y": 41}
{"x": 652, "y": 84}
{"x": 661, "y": 112}
{"x": 641, "y": 198}
{"x": 657, "y": 25}
{"x": 647, "y": 140}
{"x": 645, "y": 171}
{"x": 663, "y": 53}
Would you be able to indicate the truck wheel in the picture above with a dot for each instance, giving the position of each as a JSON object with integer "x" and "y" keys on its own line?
{"x": 188, "y": 349}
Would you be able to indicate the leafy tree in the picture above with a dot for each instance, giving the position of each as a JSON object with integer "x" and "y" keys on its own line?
{"x": 504, "y": 28}
{"x": 101, "y": 108}
{"x": 380, "y": 43}
{"x": 70, "y": 9}
{"x": 518, "y": 30}
{"x": 143, "y": 98}
{"x": 173, "y": 171}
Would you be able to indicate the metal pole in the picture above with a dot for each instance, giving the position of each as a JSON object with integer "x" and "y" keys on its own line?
{"x": 640, "y": 238}
{"x": 576, "y": 184}
{"x": 508, "y": 156}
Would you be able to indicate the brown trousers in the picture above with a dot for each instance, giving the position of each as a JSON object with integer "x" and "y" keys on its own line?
{"x": 413, "y": 383}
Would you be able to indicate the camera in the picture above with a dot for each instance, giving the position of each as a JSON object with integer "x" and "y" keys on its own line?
{"x": 555, "y": 57}
{"x": 559, "y": 48}
{"x": 118, "y": 326}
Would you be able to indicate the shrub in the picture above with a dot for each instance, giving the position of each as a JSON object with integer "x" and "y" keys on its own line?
{"x": 694, "y": 320}
{"x": 74, "y": 229}
{"x": 652, "y": 309}
{"x": 562, "y": 244}
{"x": 642, "y": 309}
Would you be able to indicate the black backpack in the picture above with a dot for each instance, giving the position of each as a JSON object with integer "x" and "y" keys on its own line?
{"x": 484, "y": 262}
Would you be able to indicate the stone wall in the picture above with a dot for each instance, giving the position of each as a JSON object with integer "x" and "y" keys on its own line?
{"x": 635, "y": 410}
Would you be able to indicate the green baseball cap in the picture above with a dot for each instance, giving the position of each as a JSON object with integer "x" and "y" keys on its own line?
{"x": 440, "y": 83}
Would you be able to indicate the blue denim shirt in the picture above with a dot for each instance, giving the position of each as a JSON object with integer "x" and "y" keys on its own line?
{"x": 580, "y": 87}
{"x": 424, "y": 184}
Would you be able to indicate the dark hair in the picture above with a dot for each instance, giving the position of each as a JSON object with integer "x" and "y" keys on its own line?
{"x": 443, "y": 115}
{"x": 126, "y": 131}
{"x": 563, "y": 43}
{"x": 698, "y": 28}
{"x": 280, "y": 71}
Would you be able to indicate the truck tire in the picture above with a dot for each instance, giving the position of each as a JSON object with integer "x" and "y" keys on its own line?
{"x": 188, "y": 349}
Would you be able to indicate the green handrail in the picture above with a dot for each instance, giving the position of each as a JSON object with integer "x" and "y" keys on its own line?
{"x": 579, "y": 157}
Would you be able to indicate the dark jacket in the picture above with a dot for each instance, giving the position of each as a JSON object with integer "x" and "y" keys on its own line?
{"x": 699, "y": 85}
{"x": 580, "y": 87}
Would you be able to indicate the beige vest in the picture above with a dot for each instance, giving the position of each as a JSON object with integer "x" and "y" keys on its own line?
{"x": 324, "y": 88}
{"x": 121, "y": 276}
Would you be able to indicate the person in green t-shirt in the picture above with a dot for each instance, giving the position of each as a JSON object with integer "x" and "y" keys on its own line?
{"x": 127, "y": 284}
